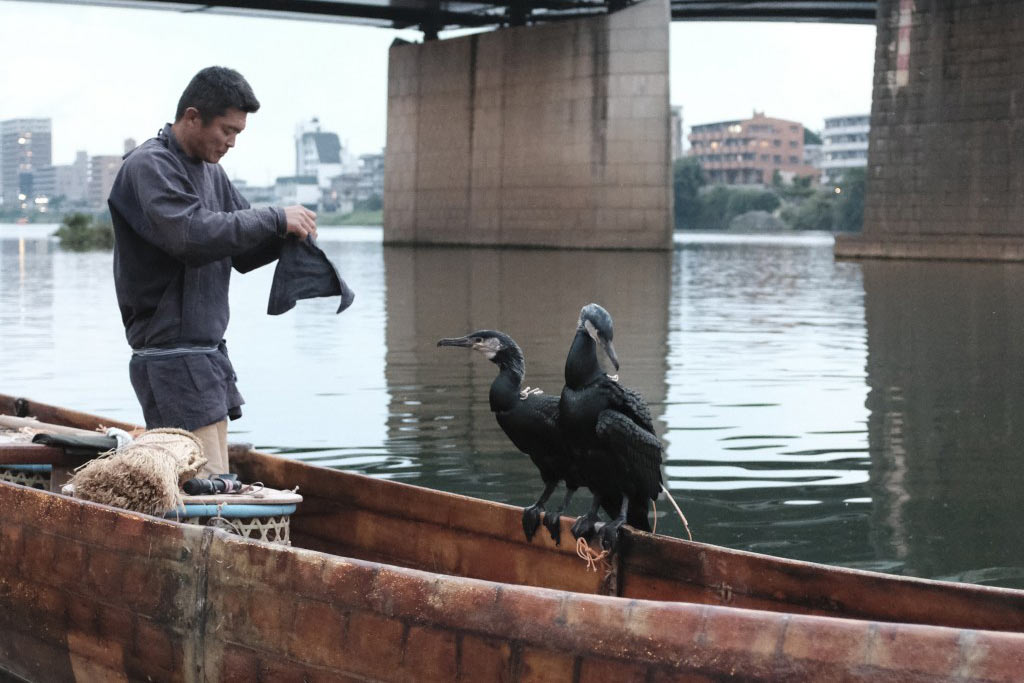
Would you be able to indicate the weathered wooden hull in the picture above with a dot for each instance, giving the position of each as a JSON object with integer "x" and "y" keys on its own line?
{"x": 395, "y": 582}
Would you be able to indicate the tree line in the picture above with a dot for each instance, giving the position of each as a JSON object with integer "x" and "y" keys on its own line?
{"x": 783, "y": 206}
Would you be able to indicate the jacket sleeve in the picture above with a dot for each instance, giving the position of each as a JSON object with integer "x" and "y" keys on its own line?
{"x": 266, "y": 252}
{"x": 177, "y": 223}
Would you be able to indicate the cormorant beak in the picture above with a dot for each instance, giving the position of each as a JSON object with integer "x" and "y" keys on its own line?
{"x": 610, "y": 350}
{"x": 465, "y": 342}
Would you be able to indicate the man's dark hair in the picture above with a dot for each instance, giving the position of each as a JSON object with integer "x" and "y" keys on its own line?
{"x": 214, "y": 90}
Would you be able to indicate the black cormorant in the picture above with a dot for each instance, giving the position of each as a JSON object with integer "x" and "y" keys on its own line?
{"x": 610, "y": 431}
{"x": 529, "y": 419}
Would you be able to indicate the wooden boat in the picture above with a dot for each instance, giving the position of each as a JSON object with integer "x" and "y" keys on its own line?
{"x": 391, "y": 582}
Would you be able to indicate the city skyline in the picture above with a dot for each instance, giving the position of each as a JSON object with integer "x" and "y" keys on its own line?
{"x": 326, "y": 177}
{"x": 93, "y": 56}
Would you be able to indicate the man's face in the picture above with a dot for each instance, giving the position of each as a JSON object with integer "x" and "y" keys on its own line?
{"x": 211, "y": 141}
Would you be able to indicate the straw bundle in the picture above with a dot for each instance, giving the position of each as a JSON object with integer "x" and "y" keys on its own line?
{"x": 144, "y": 476}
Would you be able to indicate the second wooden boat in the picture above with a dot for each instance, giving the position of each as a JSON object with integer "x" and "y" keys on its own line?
{"x": 387, "y": 581}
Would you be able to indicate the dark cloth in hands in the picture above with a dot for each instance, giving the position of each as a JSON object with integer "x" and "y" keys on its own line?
{"x": 304, "y": 272}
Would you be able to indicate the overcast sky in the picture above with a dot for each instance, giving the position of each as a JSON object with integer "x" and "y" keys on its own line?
{"x": 104, "y": 74}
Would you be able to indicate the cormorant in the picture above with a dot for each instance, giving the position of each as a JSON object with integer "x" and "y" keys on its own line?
{"x": 611, "y": 433}
{"x": 530, "y": 419}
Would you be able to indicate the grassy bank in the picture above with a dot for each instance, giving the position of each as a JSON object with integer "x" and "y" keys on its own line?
{"x": 354, "y": 218}
{"x": 83, "y": 232}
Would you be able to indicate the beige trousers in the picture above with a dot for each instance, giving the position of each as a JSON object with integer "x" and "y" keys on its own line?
{"x": 214, "y": 438}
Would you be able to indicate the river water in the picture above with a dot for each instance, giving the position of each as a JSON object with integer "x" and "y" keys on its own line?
{"x": 867, "y": 415}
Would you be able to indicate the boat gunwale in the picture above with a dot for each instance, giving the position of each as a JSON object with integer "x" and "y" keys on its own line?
{"x": 690, "y": 637}
{"x": 702, "y": 567}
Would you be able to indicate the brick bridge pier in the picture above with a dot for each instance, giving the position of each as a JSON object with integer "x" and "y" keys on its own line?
{"x": 946, "y": 154}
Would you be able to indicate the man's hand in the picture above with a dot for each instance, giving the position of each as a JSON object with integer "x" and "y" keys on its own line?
{"x": 301, "y": 221}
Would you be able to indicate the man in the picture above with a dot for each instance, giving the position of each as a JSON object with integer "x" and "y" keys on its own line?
{"x": 179, "y": 228}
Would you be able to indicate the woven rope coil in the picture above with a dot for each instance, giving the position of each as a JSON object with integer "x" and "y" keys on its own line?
{"x": 144, "y": 476}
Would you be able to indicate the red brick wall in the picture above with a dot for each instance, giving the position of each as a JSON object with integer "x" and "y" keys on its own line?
{"x": 946, "y": 156}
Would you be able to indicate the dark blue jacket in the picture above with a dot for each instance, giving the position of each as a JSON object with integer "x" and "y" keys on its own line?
{"x": 179, "y": 228}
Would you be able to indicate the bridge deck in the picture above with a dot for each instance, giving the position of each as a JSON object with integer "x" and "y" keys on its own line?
{"x": 447, "y": 14}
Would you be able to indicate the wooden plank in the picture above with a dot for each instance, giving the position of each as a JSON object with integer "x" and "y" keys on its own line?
{"x": 421, "y": 545}
{"x": 672, "y": 569}
{"x": 23, "y": 407}
{"x": 265, "y": 496}
{"x": 31, "y": 423}
{"x": 36, "y": 454}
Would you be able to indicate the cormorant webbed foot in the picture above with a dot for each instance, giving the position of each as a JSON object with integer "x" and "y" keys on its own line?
{"x": 609, "y": 535}
{"x": 553, "y": 523}
{"x": 584, "y": 526}
{"x": 531, "y": 520}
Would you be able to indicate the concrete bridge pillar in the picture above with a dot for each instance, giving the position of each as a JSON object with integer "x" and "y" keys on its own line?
{"x": 946, "y": 155}
{"x": 554, "y": 135}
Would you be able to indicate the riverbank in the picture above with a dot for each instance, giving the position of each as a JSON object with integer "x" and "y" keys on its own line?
{"x": 354, "y": 218}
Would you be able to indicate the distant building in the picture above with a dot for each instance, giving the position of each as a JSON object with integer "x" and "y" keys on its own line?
{"x": 371, "y": 176}
{"x": 102, "y": 171}
{"x": 340, "y": 197}
{"x": 44, "y": 188}
{"x": 320, "y": 154}
{"x": 73, "y": 180}
{"x": 69, "y": 183}
{"x": 257, "y": 196}
{"x": 813, "y": 155}
{"x": 25, "y": 147}
{"x": 677, "y": 132}
{"x": 360, "y": 186}
{"x": 845, "y": 145}
{"x": 750, "y": 151}
{"x": 303, "y": 190}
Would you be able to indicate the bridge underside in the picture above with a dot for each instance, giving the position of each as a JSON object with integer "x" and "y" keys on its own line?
{"x": 431, "y": 16}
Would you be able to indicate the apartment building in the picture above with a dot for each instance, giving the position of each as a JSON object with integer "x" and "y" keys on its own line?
{"x": 676, "y": 129}
{"x": 102, "y": 172}
{"x": 750, "y": 151}
{"x": 26, "y": 146}
{"x": 845, "y": 145}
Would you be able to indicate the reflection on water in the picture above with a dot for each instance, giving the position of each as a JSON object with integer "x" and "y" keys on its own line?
{"x": 866, "y": 415}
{"x": 946, "y": 377}
{"x": 439, "y": 407}
{"x": 767, "y": 435}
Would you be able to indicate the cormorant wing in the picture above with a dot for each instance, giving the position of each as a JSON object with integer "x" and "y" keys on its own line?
{"x": 546, "y": 407}
{"x": 628, "y": 402}
{"x": 639, "y": 449}
{"x": 532, "y": 425}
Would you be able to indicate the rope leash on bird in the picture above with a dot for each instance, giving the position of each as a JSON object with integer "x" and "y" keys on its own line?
{"x": 585, "y": 552}
{"x": 527, "y": 392}
{"x": 672, "y": 500}
{"x": 592, "y": 557}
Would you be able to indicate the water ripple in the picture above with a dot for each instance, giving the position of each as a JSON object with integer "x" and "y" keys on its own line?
{"x": 785, "y": 430}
